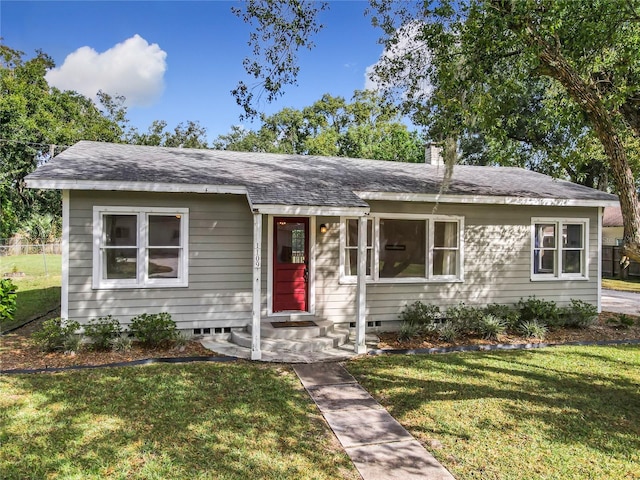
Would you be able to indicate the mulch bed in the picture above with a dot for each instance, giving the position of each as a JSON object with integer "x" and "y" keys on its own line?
{"x": 18, "y": 351}
{"x": 602, "y": 330}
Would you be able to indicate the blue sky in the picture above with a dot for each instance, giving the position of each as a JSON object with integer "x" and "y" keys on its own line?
{"x": 187, "y": 55}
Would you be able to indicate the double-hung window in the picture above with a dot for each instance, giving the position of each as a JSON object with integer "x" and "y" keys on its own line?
{"x": 350, "y": 251}
{"x": 559, "y": 248}
{"x": 140, "y": 247}
{"x": 405, "y": 248}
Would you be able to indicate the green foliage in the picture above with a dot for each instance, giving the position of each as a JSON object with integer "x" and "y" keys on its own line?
{"x": 34, "y": 118}
{"x": 490, "y": 326}
{"x": 533, "y": 329}
{"x": 621, "y": 321}
{"x": 191, "y": 135}
{"x": 282, "y": 28}
{"x": 102, "y": 331}
{"x": 420, "y": 314}
{"x": 448, "y": 331}
{"x": 57, "y": 334}
{"x": 366, "y": 127}
{"x": 579, "y": 314}
{"x": 154, "y": 329}
{"x": 8, "y": 298}
{"x": 122, "y": 343}
{"x": 510, "y": 315}
{"x": 409, "y": 331}
{"x": 537, "y": 309}
{"x": 466, "y": 318}
{"x": 181, "y": 340}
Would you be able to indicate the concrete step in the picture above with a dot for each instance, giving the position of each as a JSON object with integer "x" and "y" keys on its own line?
{"x": 332, "y": 339}
{"x": 267, "y": 330}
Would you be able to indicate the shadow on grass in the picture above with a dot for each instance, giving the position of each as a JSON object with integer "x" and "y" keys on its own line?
{"x": 33, "y": 303}
{"x": 235, "y": 421}
{"x": 562, "y": 397}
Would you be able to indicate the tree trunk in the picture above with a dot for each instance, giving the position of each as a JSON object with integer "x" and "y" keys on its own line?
{"x": 556, "y": 66}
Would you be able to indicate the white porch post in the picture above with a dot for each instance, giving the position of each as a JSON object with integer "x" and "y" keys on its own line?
{"x": 256, "y": 354}
{"x": 361, "y": 294}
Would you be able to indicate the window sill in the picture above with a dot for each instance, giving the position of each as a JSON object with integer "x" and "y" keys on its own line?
{"x": 558, "y": 279}
{"x": 132, "y": 286}
{"x": 400, "y": 281}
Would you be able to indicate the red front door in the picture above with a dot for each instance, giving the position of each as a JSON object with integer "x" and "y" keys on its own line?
{"x": 290, "y": 264}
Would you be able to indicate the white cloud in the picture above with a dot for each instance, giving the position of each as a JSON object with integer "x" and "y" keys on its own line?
{"x": 132, "y": 68}
{"x": 414, "y": 58}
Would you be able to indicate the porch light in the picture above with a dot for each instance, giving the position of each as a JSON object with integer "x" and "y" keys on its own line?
{"x": 323, "y": 228}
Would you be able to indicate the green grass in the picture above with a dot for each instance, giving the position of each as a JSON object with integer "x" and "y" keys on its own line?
{"x": 37, "y": 293}
{"x": 622, "y": 285}
{"x": 193, "y": 421}
{"x": 562, "y": 413}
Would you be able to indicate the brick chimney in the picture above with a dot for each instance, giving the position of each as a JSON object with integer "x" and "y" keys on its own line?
{"x": 433, "y": 154}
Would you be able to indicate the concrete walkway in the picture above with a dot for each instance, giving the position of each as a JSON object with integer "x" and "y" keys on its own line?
{"x": 620, "y": 302}
{"x": 380, "y": 448}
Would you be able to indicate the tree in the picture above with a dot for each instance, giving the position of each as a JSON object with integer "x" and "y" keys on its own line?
{"x": 475, "y": 54}
{"x": 366, "y": 127}
{"x": 37, "y": 121}
{"x": 191, "y": 135}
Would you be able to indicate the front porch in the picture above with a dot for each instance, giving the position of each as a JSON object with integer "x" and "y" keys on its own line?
{"x": 286, "y": 343}
{"x": 289, "y": 248}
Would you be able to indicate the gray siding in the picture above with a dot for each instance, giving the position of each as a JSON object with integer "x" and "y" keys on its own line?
{"x": 497, "y": 264}
{"x": 497, "y": 257}
{"x": 220, "y": 241}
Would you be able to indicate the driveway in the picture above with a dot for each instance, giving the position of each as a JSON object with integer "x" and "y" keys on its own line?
{"x": 620, "y": 302}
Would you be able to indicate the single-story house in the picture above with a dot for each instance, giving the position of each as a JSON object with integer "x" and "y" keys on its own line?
{"x": 227, "y": 240}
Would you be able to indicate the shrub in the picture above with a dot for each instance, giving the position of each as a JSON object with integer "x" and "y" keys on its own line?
{"x": 153, "y": 329}
{"x": 102, "y": 330}
{"x": 7, "y": 300}
{"x": 408, "y": 331}
{"x": 181, "y": 340}
{"x": 533, "y": 329}
{"x": 122, "y": 343}
{"x": 448, "y": 332}
{"x": 509, "y": 314}
{"x": 536, "y": 309}
{"x": 621, "y": 321}
{"x": 58, "y": 334}
{"x": 491, "y": 326}
{"x": 420, "y": 314}
{"x": 579, "y": 314}
{"x": 465, "y": 318}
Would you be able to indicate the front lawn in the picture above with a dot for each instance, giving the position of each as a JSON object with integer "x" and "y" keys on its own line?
{"x": 557, "y": 413}
{"x": 37, "y": 293}
{"x": 621, "y": 285}
{"x": 194, "y": 421}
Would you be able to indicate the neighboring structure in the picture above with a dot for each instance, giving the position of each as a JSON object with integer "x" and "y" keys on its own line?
{"x": 225, "y": 239}
{"x": 612, "y": 229}
{"x": 612, "y": 242}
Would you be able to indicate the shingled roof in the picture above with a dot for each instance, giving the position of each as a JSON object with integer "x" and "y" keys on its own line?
{"x": 280, "y": 179}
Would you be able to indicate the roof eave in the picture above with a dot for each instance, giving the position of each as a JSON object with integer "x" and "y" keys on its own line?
{"x": 485, "y": 199}
{"x": 55, "y": 184}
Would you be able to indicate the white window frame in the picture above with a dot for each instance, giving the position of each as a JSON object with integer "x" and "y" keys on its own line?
{"x": 557, "y": 274}
{"x": 429, "y": 249}
{"x": 344, "y": 277}
{"x": 142, "y": 279}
